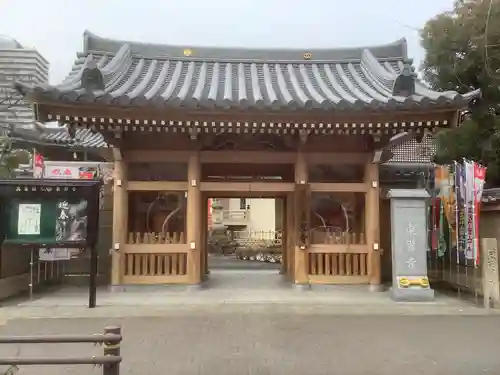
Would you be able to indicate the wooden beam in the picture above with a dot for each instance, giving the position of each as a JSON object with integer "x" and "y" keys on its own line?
{"x": 166, "y": 156}
{"x": 155, "y": 248}
{"x": 338, "y": 249}
{"x": 150, "y": 280}
{"x": 338, "y": 280}
{"x": 193, "y": 220}
{"x": 156, "y": 114}
{"x": 328, "y": 187}
{"x": 336, "y": 158}
{"x": 247, "y": 157}
{"x": 247, "y": 187}
{"x": 157, "y": 186}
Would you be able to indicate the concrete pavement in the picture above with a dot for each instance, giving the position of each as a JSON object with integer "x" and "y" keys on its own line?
{"x": 276, "y": 343}
{"x": 253, "y": 323}
{"x": 261, "y": 292}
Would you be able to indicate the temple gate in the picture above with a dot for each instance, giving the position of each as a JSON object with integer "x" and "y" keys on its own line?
{"x": 186, "y": 124}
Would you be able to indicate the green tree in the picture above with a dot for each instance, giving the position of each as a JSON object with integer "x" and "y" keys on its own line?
{"x": 11, "y": 158}
{"x": 463, "y": 54}
{"x": 9, "y": 100}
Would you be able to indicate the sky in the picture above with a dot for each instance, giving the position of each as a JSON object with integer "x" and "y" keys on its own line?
{"x": 55, "y": 27}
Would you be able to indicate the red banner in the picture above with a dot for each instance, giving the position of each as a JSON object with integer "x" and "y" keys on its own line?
{"x": 479, "y": 178}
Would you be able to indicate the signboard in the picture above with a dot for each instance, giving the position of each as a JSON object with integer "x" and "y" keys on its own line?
{"x": 52, "y": 255}
{"x": 75, "y": 170}
{"x": 49, "y": 213}
{"x": 53, "y": 215}
{"x": 28, "y": 219}
{"x": 46, "y": 220}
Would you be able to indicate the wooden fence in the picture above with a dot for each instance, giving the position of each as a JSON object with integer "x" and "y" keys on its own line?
{"x": 155, "y": 258}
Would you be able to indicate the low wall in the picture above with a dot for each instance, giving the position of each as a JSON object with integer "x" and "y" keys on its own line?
{"x": 13, "y": 285}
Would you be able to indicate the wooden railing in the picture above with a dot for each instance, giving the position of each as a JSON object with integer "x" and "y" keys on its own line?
{"x": 110, "y": 360}
{"x": 331, "y": 237}
{"x": 153, "y": 238}
{"x": 155, "y": 258}
{"x": 336, "y": 257}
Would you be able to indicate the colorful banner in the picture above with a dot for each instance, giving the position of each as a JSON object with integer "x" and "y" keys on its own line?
{"x": 455, "y": 210}
{"x": 38, "y": 165}
{"x": 479, "y": 178}
{"x": 459, "y": 211}
{"x": 469, "y": 209}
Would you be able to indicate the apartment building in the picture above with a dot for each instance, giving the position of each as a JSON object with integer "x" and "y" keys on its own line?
{"x": 18, "y": 64}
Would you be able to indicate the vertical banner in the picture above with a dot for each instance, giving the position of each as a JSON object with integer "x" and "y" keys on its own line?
{"x": 479, "y": 178}
{"x": 38, "y": 164}
{"x": 469, "y": 209}
{"x": 436, "y": 209}
{"x": 209, "y": 200}
{"x": 459, "y": 211}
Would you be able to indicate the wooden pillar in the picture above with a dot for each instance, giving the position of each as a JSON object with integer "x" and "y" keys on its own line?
{"x": 120, "y": 217}
{"x": 280, "y": 226}
{"x": 204, "y": 237}
{"x": 290, "y": 237}
{"x": 301, "y": 213}
{"x": 372, "y": 222}
{"x": 193, "y": 222}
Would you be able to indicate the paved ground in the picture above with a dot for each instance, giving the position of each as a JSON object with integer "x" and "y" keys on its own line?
{"x": 291, "y": 344}
{"x": 230, "y": 291}
{"x": 254, "y": 323}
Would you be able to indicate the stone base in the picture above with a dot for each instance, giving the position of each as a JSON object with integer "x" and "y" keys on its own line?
{"x": 301, "y": 287}
{"x": 376, "y": 288}
{"x": 116, "y": 288}
{"x": 194, "y": 287}
{"x": 412, "y": 294}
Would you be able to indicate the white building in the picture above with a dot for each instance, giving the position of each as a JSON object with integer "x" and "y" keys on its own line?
{"x": 258, "y": 217}
{"x": 18, "y": 64}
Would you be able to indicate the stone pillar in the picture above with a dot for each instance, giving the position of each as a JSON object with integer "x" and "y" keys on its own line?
{"x": 217, "y": 215}
{"x": 489, "y": 259}
{"x": 409, "y": 245}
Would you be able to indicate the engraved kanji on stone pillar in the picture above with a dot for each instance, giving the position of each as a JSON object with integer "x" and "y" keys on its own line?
{"x": 409, "y": 245}
{"x": 491, "y": 286}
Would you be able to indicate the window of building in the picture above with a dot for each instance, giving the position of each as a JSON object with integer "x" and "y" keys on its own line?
{"x": 243, "y": 204}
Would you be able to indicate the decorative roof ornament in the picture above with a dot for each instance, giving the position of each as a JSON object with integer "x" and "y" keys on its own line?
{"x": 92, "y": 79}
{"x": 404, "y": 85}
{"x": 188, "y": 52}
{"x": 307, "y": 56}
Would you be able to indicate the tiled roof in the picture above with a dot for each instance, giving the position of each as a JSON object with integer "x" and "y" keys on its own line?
{"x": 129, "y": 73}
{"x": 39, "y": 134}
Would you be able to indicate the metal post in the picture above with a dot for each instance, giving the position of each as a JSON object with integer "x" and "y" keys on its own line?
{"x": 112, "y": 348}
{"x": 31, "y": 272}
{"x": 93, "y": 278}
